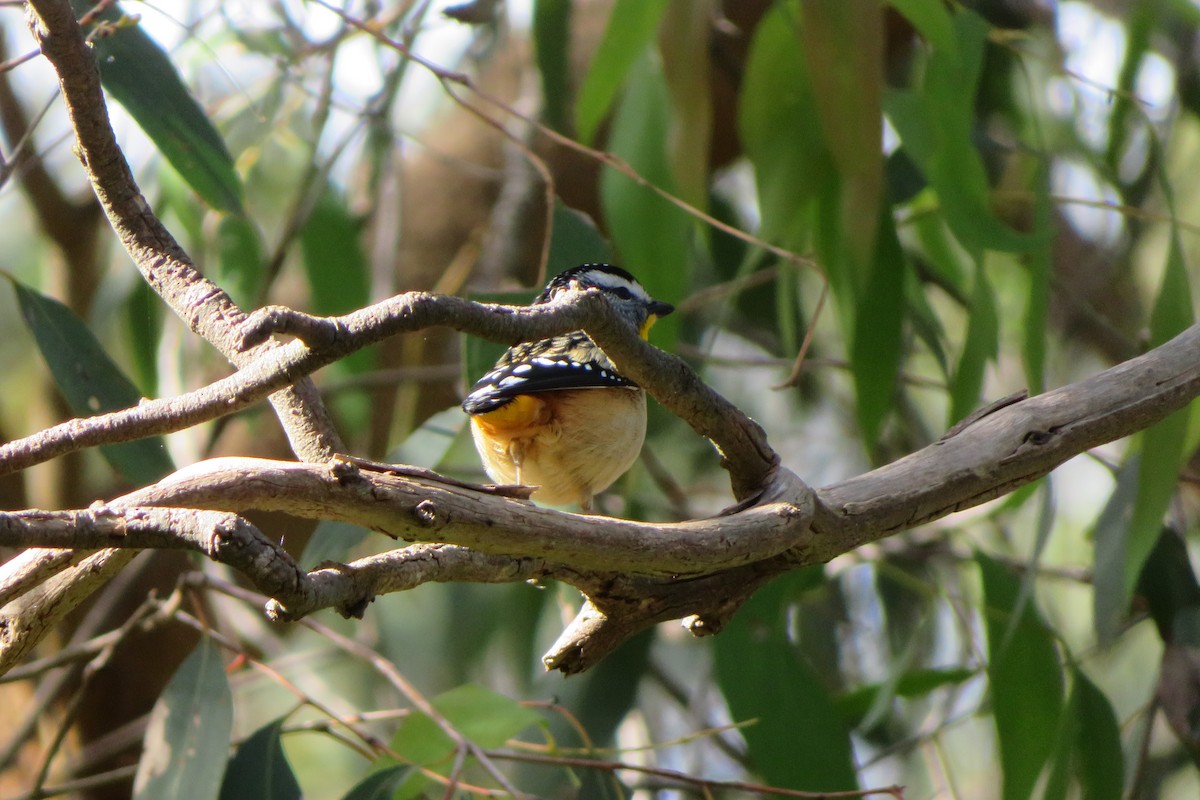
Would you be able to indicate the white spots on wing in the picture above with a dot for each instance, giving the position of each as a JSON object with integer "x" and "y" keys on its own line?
{"x": 522, "y": 368}
{"x": 511, "y": 380}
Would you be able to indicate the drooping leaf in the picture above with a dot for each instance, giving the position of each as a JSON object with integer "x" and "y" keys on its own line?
{"x": 259, "y": 770}
{"x": 334, "y": 261}
{"x": 1025, "y": 678}
{"x": 140, "y": 76}
{"x": 90, "y": 380}
{"x": 684, "y": 41}
{"x": 576, "y": 240}
{"x": 188, "y": 734}
{"x": 1099, "y": 762}
{"x": 775, "y": 124}
{"x": 1162, "y": 446}
{"x": 932, "y": 21}
{"x": 1169, "y": 586}
{"x": 878, "y": 345}
{"x": 798, "y": 739}
{"x": 241, "y": 259}
{"x": 144, "y": 313}
{"x": 843, "y": 44}
{"x": 630, "y": 30}
{"x": 980, "y": 348}
{"x": 1037, "y": 308}
{"x": 1111, "y": 535}
{"x": 612, "y": 689}
{"x": 651, "y": 235}
{"x": 936, "y": 128}
{"x": 551, "y": 42}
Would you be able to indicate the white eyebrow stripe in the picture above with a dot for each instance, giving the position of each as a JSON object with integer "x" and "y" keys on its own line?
{"x": 611, "y": 281}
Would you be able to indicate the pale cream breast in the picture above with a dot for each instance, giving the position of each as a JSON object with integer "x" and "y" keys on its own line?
{"x": 590, "y": 438}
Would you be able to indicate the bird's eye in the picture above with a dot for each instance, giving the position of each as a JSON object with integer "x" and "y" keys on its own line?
{"x": 622, "y": 292}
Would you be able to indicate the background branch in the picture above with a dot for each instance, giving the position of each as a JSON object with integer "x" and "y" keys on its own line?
{"x": 202, "y": 305}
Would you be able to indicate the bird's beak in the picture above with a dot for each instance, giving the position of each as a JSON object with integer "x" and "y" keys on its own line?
{"x": 657, "y": 309}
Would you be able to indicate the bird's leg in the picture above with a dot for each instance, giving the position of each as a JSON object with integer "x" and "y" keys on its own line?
{"x": 516, "y": 451}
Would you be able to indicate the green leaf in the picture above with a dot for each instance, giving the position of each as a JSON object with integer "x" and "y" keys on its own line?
{"x": 684, "y": 41}
{"x": 878, "y": 345}
{"x": 259, "y": 770}
{"x": 798, "y": 739}
{"x": 380, "y": 785}
{"x": 775, "y": 113}
{"x": 981, "y": 346}
{"x": 936, "y": 126}
{"x": 932, "y": 21}
{"x": 1171, "y": 591}
{"x": 551, "y": 42}
{"x": 144, "y": 312}
{"x": 484, "y": 717}
{"x": 650, "y": 233}
{"x": 188, "y": 734}
{"x": 631, "y": 28}
{"x": 1100, "y": 764}
{"x": 843, "y": 44}
{"x": 339, "y": 282}
{"x": 576, "y": 240}
{"x": 1040, "y": 267}
{"x": 1162, "y": 452}
{"x": 241, "y": 259}
{"x": 140, "y": 76}
{"x": 337, "y": 269}
{"x": 612, "y": 688}
{"x": 420, "y": 741}
{"x": 90, "y": 381}
{"x": 1025, "y": 677}
{"x": 1111, "y": 535}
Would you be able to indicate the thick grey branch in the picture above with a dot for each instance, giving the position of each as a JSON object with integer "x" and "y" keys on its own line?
{"x": 430, "y": 511}
{"x": 1008, "y": 448}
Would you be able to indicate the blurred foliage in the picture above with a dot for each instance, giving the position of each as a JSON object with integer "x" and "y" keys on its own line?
{"x": 949, "y": 201}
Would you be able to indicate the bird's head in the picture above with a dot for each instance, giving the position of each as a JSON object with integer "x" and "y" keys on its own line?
{"x": 617, "y": 286}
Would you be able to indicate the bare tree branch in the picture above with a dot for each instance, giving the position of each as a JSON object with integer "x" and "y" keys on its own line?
{"x": 202, "y": 305}
{"x": 637, "y": 574}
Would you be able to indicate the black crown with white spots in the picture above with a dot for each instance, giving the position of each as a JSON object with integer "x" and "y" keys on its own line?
{"x": 572, "y": 361}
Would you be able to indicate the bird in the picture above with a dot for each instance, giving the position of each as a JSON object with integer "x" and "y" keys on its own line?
{"x": 555, "y": 413}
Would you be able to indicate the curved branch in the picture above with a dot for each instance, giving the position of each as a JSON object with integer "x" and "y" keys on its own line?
{"x": 1006, "y": 449}
{"x": 430, "y": 511}
{"x": 739, "y": 439}
{"x": 638, "y": 574}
